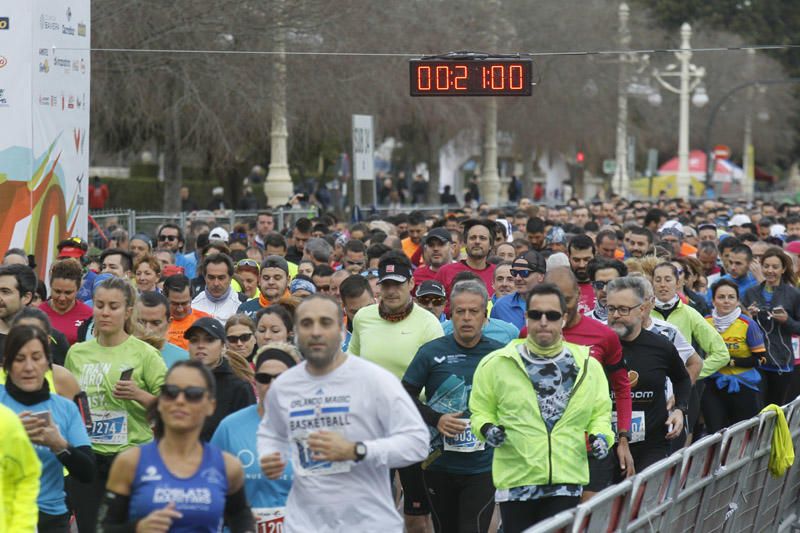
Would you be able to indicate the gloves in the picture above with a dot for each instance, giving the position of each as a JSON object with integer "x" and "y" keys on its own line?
{"x": 599, "y": 446}
{"x": 495, "y": 435}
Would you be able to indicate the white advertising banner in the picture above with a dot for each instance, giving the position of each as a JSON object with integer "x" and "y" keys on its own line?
{"x": 363, "y": 148}
{"x": 44, "y": 124}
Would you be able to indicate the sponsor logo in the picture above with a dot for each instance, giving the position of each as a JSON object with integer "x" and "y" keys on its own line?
{"x": 3, "y": 98}
{"x": 4, "y": 23}
{"x": 44, "y": 52}
{"x": 44, "y": 66}
{"x": 3, "y": 61}
{"x": 151, "y": 474}
{"x": 61, "y": 62}
{"x": 197, "y": 496}
{"x": 439, "y": 359}
{"x": 68, "y": 30}
{"x": 44, "y": 101}
{"x": 48, "y": 22}
{"x": 82, "y": 29}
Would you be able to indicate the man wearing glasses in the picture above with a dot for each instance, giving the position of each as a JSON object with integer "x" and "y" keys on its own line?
{"x": 534, "y": 401}
{"x": 601, "y": 271}
{"x": 650, "y": 359}
{"x": 436, "y": 252}
{"x": 431, "y": 296}
{"x": 528, "y": 271}
{"x": 170, "y": 237}
{"x": 354, "y": 257}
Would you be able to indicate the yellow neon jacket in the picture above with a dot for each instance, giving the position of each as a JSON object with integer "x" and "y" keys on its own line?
{"x": 19, "y": 476}
{"x": 781, "y": 455}
{"x": 502, "y": 394}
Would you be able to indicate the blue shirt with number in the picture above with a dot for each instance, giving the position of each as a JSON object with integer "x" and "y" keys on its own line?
{"x": 65, "y": 415}
{"x": 437, "y": 362}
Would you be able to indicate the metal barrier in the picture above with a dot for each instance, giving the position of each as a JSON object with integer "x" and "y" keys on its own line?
{"x": 721, "y": 483}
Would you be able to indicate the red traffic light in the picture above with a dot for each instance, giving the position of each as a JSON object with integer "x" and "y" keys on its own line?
{"x": 579, "y": 157}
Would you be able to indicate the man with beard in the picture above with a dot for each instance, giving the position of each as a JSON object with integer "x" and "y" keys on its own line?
{"x": 650, "y": 359}
{"x": 479, "y": 236}
{"x": 534, "y": 401}
{"x": 638, "y": 242}
{"x": 273, "y": 279}
{"x": 339, "y": 415}
{"x": 528, "y": 271}
{"x": 436, "y": 252}
{"x": 581, "y": 250}
{"x": 389, "y": 334}
{"x": 605, "y": 347}
{"x": 601, "y": 271}
{"x": 354, "y": 293}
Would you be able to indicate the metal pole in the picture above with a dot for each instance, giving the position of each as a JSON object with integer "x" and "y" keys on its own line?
{"x": 490, "y": 181}
{"x": 747, "y": 149}
{"x": 620, "y": 179}
{"x": 684, "y": 56}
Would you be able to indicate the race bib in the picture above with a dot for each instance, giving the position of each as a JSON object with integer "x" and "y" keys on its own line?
{"x": 637, "y": 425}
{"x": 269, "y": 519}
{"x": 464, "y": 442}
{"x": 306, "y": 465}
{"x": 109, "y": 427}
{"x": 796, "y": 348}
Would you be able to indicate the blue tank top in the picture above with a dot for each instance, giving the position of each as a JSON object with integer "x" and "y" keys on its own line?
{"x": 200, "y": 497}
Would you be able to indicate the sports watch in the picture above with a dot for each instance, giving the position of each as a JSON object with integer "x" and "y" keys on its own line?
{"x": 361, "y": 451}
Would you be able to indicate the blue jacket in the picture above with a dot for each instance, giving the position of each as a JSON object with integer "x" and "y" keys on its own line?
{"x": 511, "y": 308}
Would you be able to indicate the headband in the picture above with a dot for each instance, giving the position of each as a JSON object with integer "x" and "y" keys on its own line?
{"x": 276, "y": 354}
{"x": 299, "y": 284}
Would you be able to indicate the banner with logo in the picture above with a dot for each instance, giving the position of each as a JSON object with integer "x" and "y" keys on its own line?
{"x": 44, "y": 112}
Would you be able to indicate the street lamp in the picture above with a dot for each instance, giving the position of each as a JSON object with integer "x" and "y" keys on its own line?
{"x": 690, "y": 78}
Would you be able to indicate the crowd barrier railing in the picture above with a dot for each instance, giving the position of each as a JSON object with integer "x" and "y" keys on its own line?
{"x": 720, "y": 483}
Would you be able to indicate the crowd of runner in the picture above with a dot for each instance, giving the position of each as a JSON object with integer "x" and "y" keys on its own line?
{"x": 488, "y": 368}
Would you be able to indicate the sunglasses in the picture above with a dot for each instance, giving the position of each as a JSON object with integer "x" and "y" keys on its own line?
{"x": 266, "y": 379}
{"x": 599, "y": 285}
{"x": 247, "y": 263}
{"x": 436, "y": 300}
{"x": 244, "y": 337}
{"x": 169, "y": 238}
{"x": 192, "y": 394}
{"x": 353, "y": 263}
{"x": 552, "y": 316}
{"x": 520, "y": 273}
{"x": 323, "y": 288}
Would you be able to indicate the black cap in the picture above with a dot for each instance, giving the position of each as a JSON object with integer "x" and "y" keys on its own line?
{"x": 431, "y": 287}
{"x": 393, "y": 270}
{"x": 209, "y": 325}
{"x": 441, "y": 234}
{"x": 535, "y": 261}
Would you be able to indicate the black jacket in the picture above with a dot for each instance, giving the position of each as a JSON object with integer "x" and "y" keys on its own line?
{"x": 777, "y": 337}
{"x": 233, "y": 393}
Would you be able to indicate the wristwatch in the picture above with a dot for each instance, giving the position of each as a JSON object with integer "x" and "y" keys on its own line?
{"x": 361, "y": 451}
{"x": 626, "y": 434}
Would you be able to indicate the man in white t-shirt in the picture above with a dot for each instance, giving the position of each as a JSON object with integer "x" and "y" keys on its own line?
{"x": 344, "y": 422}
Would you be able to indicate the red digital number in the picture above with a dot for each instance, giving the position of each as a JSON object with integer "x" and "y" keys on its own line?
{"x": 460, "y": 79}
{"x": 515, "y": 77}
{"x": 500, "y": 84}
{"x": 442, "y": 82}
{"x": 424, "y": 81}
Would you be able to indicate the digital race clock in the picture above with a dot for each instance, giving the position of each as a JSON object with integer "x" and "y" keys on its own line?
{"x": 471, "y": 75}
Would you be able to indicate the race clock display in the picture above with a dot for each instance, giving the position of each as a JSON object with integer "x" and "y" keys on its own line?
{"x": 484, "y": 76}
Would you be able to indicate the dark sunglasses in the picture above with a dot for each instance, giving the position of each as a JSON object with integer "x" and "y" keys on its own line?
{"x": 520, "y": 273}
{"x": 169, "y": 238}
{"x": 552, "y": 316}
{"x": 192, "y": 394}
{"x": 264, "y": 378}
{"x": 435, "y": 300}
{"x": 244, "y": 337}
{"x": 599, "y": 285}
{"x": 354, "y": 263}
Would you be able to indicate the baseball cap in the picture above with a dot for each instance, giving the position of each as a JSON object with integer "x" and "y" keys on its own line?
{"x": 792, "y": 247}
{"x": 72, "y": 247}
{"x": 438, "y": 233}
{"x": 218, "y": 234}
{"x": 394, "y": 270}
{"x": 739, "y": 220}
{"x": 275, "y": 261}
{"x": 556, "y": 235}
{"x": 209, "y": 325}
{"x": 171, "y": 270}
{"x": 431, "y": 288}
{"x": 672, "y": 224}
{"x": 534, "y": 260}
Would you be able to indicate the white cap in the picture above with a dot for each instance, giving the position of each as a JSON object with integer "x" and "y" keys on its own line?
{"x": 218, "y": 234}
{"x": 558, "y": 259}
{"x": 738, "y": 220}
{"x": 672, "y": 224}
{"x": 777, "y": 230}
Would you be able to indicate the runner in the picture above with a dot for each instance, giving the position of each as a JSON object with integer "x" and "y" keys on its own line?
{"x": 20, "y": 470}
{"x": 236, "y": 434}
{"x": 65, "y": 312}
{"x": 650, "y": 359}
{"x": 528, "y": 271}
{"x": 479, "y": 235}
{"x": 178, "y": 482}
{"x": 274, "y": 324}
{"x": 272, "y": 284}
{"x": 240, "y": 334}
{"x": 121, "y": 376}
{"x": 540, "y": 466}
{"x": 218, "y": 299}
{"x": 354, "y": 293}
{"x": 351, "y": 421}
{"x": 458, "y": 474}
{"x": 51, "y": 421}
{"x": 182, "y": 315}
{"x": 152, "y": 316}
{"x": 436, "y": 253}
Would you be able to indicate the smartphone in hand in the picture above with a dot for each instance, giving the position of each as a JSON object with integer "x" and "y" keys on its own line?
{"x": 126, "y": 375}
{"x": 42, "y": 415}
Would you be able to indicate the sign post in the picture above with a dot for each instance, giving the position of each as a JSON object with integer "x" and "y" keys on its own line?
{"x": 363, "y": 156}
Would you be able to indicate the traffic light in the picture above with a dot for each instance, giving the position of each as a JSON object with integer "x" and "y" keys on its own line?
{"x": 579, "y": 157}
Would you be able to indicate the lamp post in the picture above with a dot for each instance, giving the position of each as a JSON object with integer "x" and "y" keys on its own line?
{"x": 689, "y": 77}
{"x": 621, "y": 180}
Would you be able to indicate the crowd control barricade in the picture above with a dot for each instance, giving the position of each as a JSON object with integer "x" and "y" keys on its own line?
{"x": 720, "y": 502}
{"x": 789, "y": 509}
{"x": 606, "y": 512}
{"x": 560, "y": 523}
{"x": 699, "y": 462}
{"x": 652, "y": 494}
{"x": 759, "y": 493}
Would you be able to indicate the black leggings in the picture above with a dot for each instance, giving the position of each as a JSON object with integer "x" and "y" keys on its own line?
{"x": 775, "y": 386}
{"x": 50, "y": 523}
{"x": 722, "y": 408}
{"x": 460, "y": 503}
{"x": 518, "y": 516}
{"x": 86, "y": 498}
